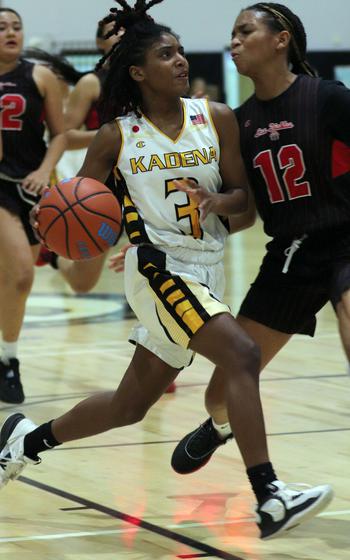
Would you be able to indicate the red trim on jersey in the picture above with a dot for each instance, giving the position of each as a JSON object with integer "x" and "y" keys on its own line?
{"x": 340, "y": 159}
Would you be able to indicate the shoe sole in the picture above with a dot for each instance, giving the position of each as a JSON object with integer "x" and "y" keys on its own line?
{"x": 302, "y": 516}
{"x": 8, "y": 427}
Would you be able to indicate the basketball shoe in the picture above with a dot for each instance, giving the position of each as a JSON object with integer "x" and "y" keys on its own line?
{"x": 195, "y": 449}
{"x": 12, "y": 458}
{"x": 284, "y": 508}
{"x": 11, "y": 390}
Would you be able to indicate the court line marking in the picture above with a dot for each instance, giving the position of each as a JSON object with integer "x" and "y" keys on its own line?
{"x": 106, "y": 532}
{"x": 132, "y": 520}
{"x": 132, "y": 444}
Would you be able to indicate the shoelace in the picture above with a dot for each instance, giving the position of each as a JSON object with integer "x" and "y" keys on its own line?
{"x": 202, "y": 435}
{"x": 292, "y": 488}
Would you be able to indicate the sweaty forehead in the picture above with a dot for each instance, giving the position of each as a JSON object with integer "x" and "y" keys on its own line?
{"x": 247, "y": 17}
{"x": 9, "y": 17}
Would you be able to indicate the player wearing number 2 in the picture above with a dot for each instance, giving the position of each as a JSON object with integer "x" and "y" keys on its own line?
{"x": 174, "y": 272}
{"x": 28, "y": 94}
{"x": 295, "y": 142}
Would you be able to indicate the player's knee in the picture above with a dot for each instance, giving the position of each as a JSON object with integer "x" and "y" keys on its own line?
{"x": 247, "y": 358}
{"x": 23, "y": 280}
{"x": 82, "y": 285}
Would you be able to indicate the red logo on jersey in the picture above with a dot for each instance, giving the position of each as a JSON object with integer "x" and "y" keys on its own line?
{"x": 273, "y": 130}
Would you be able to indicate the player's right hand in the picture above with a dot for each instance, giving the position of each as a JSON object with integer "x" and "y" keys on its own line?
{"x": 116, "y": 262}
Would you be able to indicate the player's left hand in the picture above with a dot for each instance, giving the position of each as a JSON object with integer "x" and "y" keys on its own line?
{"x": 36, "y": 181}
{"x": 205, "y": 200}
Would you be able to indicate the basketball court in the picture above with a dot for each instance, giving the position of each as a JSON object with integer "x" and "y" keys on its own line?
{"x": 115, "y": 495}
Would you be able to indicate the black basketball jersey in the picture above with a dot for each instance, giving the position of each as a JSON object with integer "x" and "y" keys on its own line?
{"x": 296, "y": 151}
{"x": 22, "y": 122}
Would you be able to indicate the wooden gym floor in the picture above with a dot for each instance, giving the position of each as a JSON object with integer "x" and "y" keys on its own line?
{"x": 114, "y": 496}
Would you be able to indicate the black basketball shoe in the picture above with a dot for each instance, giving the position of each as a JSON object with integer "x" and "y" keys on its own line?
{"x": 285, "y": 508}
{"x": 11, "y": 390}
{"x": 195, "y": 449}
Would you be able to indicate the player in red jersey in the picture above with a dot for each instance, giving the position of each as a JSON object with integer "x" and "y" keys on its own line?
{"x": 27, "y": 92}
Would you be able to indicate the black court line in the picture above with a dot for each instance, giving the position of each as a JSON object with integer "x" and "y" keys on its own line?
{"x": 130, "y": 444}
{"x": 56, "y": 398}
{"x": 74, "y": 508}
{"x": 46, "y": 400}
{"x": 132, "y": 520}
{"x": 263, "y": 379}
{"x": 193, "y": 556}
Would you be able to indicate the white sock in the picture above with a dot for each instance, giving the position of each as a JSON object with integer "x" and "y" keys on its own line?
{"x": 8, "y": 350}
{"x": 223, "y": 430}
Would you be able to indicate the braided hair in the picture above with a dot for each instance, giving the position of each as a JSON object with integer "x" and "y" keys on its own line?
{"x": 120, "y": 93}
{"x": 278, "y": 18}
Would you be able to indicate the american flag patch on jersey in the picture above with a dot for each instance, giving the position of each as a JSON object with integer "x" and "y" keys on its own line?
{"x": 198, "y": 119}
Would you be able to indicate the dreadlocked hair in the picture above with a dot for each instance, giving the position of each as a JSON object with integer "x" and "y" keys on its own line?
{"x": 280, "y": 18}
{"x": 57, "y": 63}
{"x": 120, "y": 93}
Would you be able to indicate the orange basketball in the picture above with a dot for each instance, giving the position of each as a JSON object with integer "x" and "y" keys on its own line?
{"x": 79, "y": 218}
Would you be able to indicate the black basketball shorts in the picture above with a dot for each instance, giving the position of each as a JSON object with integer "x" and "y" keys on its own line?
{"x": 319, "y": 271}
{"x": 19, "y": 202}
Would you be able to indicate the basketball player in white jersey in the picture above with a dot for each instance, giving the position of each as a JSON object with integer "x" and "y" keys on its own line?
{"x": 174, "y": 272}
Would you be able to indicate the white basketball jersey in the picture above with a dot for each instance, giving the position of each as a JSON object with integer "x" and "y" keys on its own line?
{"x": 149, "y": 161}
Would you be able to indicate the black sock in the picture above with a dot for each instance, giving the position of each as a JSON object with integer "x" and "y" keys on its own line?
{"x": 259, "y": 477}
{"x": 40, "y": 439}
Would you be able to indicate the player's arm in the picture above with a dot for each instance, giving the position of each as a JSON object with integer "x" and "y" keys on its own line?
{"x": 49, "y": 88}
{"x": 239, "y": 222}
{"x": 335, "y": 109}
{"x": 81, "y": 98}
{"x": 102, "y": 153}
{"x": 233, "y": 198}
{"x": 232, "y": 167}
{"x": 100, "y": 159}
{"x": 232, "y": 170}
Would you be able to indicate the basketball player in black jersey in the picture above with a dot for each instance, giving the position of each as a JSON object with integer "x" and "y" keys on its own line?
{"x": 147, "y": 78}
{"x": 28, "y": 94}
{"x": 295, "y": 142}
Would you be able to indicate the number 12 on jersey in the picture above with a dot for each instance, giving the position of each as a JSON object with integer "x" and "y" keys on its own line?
{"x": 291, "y": 162}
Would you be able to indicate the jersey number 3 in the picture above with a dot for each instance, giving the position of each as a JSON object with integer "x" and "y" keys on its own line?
{"x": 189, "y": 210}
{"x": 291, "y": 162}
{"x": 12, "y": 106}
